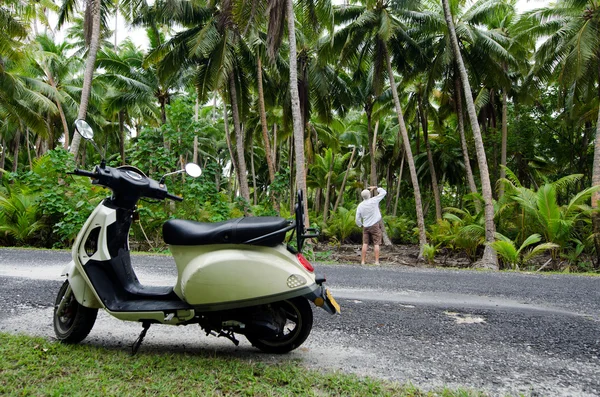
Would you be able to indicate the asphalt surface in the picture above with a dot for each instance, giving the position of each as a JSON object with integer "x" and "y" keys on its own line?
{"x": 502, "y": 333}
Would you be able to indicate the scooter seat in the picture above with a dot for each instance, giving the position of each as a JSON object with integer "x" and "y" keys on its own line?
{"x": 233, "y": 231}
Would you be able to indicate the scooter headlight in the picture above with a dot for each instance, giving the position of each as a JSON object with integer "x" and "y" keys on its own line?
{"x": 295, "y": 281}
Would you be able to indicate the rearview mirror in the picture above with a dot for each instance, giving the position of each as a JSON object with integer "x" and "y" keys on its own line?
{"x": 84, "y": 129}
{"x": 193, "y": 170}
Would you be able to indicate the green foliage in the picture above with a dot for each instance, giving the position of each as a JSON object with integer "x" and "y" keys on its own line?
{"x": 20, "y": 216}
{"x": 400, "y": 229}
{"x": 429, "y": 253}
{"x": 341, "y": 225}
{"x": 459, "y": 230}
{"x": 514, "y": 257}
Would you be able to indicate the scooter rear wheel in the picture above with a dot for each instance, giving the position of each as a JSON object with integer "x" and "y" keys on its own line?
{"x": 76, "y": 321}
{"x": 299, "y": 321}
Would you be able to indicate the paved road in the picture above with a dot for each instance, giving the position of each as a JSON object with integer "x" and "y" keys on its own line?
{"x": 505, "y": 333}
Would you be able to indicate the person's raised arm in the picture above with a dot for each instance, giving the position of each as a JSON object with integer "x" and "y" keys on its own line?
{"x": 381, "y": 192}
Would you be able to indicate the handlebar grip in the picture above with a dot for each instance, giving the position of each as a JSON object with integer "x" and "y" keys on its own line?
{"x": 83, "y": 173}
{"x": 174, "y": 197}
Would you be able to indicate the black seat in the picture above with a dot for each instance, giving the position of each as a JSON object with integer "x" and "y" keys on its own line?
{"x": 234, "y": 231}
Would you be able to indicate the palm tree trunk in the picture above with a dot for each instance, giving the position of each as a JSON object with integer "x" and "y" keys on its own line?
{"x": 89, "y": 70}
{"x": 296, "y": 115}
{"x": 490, "y": 258}
{"x": 228, "y": 139}
{"x": 409, "y": 156}
{"x": 3, "y": 157}
{"x": 373, "y": 173}
{"x": 253, "y": 174}
{"x": 434, "y": 181}
{"x": 463, "y": 140}
{"x": 504, "y": 139}
{"x": 16, "y": 151}
{"x": 28, "y": 151}
{"x": 398, "y": 187}
{"x": 328, "y": 189}
{"x": 239, "y": 141}
{"x": 339, "y": 197}
{"x": 61, "y": 112}
{"x": 596, "y": 181}
{"x": 122, "y": 136}
{"x": 263, "y": 120}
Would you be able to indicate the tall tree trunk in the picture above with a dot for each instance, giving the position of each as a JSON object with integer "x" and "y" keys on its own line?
{"x": 339, "y": 197}
{"x": 28, "y": 151}
{"x": 409, "y": 156}
{"x": 116, "y": 24}
{"x": 3, "y": 157}
{"x": 434, "y": 181}
{"x": 328, "y": 189}
{"x": 504, "y": 141}
{"x": 399, "y": 182}
{"x": 596, "y": 179}
{"x": 228, "y": 140}
{"x": 61, "y": 112}
{"x": 265, "y": 133}
{"x": 490, "y": 258}
{"x": 263, "y": 120}
{"x": 463, "y": 140}
{"x": 373, "y": 168}
{"x": 122, "y": 136}
{"x": 274, "y": 156}
{"x": 255, "y": 195}
{"x": 89, "y": 70}
{"x": 296, "y": 115}
{"x": 16, "y": 151}
{"x": 239, "y": 141}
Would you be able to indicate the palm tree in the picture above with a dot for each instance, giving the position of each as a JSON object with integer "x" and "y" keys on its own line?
{"x": 93, "y": 19}
{"x": 209, "y": 43}
{"x": 570, "y": 54}
{"x": 131, "y": 89}
{"x": 58, "y": 71}
{"x": 371, "y": 29}
{"x": 489, "y": 258}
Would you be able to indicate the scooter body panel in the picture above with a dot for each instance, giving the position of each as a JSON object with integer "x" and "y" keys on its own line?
{"x": 79, "y": 284}
{"x": 211, "y": 275}
{"x": 99, "y": 219}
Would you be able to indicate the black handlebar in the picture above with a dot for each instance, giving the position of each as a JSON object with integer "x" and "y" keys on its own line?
{"x": 173, "y": 197}
{"x": 83, "y": 173}
{"x": 128, "y": 185}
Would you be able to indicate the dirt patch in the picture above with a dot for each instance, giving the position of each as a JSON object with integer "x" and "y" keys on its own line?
{"x": 405, "y": 255}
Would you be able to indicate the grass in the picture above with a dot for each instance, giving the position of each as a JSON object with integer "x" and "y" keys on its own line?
{"x": 38, "y": 367}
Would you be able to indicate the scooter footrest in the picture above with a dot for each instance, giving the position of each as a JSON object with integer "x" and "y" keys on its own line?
{"x": 145, "y": 306}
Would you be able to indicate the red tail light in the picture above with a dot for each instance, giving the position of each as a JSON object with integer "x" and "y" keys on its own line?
{"x": 305, "y": 263}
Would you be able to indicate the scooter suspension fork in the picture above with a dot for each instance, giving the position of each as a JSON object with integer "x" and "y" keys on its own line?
{"x": 63, "y": 301}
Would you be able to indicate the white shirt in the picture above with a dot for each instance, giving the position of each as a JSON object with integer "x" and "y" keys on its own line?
{"x": 367, "y": 213}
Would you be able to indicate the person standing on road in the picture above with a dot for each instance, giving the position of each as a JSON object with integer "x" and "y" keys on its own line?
{"x": 368, "y": 217}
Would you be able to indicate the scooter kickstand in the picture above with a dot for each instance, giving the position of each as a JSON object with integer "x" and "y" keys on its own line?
{"x": 229, "y": 335}
{"x": 138, "y": 342}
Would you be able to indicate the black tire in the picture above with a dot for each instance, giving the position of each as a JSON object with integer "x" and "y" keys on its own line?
{"x": 77, "y": 320}
{"x": 299, "y": 315}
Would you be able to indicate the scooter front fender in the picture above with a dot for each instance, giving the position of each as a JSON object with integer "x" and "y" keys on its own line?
{"x": 83, "y": 293}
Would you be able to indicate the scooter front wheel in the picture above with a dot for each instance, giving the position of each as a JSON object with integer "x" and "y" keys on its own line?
{"x": 298, "y": 324}
{"x": 72, "y": 321}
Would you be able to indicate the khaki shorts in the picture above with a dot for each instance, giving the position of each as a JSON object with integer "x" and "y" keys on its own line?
{"x": 372, "y": 233}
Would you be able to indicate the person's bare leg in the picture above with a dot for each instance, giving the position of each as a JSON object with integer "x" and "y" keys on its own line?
{"x": 364, "y": 253}
{"x": 376, "y": 249}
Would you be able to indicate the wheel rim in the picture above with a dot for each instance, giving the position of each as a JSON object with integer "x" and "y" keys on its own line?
{"x": 66, "y": 320}
{"x": 291, "y": 328}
